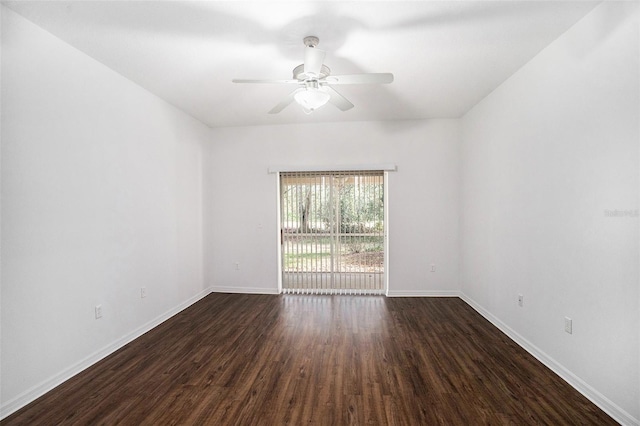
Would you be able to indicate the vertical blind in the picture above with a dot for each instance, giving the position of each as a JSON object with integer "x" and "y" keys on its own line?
{"x": 332, "y": 232}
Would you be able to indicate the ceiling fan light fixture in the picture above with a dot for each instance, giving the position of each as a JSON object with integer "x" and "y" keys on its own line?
{"x": 311, "y": 98}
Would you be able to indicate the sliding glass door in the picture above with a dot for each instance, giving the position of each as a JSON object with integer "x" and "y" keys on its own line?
{"x": 332, "y": 232}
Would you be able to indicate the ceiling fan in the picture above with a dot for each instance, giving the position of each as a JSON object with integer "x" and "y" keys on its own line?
{"x": 314, "y": 81}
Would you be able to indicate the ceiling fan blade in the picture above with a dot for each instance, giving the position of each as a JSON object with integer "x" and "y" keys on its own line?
{"x": 373, "y": 78}
{"x": 284, "y": 103}
{"x": 337, "y": 99}
{"x": 239, "y": 80}
{"x": 313, "y": 59}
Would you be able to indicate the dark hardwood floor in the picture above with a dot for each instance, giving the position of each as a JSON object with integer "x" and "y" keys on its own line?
{"x": 328, "y": 360}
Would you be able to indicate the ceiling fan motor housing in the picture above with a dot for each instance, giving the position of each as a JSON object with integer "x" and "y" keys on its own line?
{"x": 298, "y": 73}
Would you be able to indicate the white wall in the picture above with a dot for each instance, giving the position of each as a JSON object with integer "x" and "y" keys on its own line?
{"x": 543, "y": 157}
{"x": 101, "y": 195}
{"x": 422, "y": 195}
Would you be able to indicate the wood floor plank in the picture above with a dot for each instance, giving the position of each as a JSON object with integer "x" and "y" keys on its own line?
{"x": 326, "y": 360}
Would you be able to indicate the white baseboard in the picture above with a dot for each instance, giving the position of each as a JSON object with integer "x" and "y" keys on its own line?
{"x": 40, "y": 389}
{"x": 247, "y": 290}
{"x": 423, "y": 293}
{"x": 605, "y": 404}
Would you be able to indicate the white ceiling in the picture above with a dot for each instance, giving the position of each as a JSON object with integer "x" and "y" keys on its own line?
{"x": 445, "y": 55}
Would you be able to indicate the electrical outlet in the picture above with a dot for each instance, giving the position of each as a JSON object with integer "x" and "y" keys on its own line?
{"x": 237, "y": 266}
{"x": 98, "y": 311}
{"x": 520, "y": 300}
{"x": 433, "y": 267}
{"x": 143, "y": 292}
{"x": 568, "y": 325}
